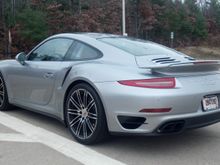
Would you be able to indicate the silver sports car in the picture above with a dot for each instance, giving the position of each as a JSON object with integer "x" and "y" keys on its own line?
{"x": 102, "y": 83}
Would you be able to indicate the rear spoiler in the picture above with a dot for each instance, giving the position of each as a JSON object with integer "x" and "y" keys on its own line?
{"x": 181, "y": 64}
{"x": 187, "y": 67}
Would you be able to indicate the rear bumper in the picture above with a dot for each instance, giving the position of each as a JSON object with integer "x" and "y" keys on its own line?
{"x": 202, "y": 121}
{"x": 188, "y": 123}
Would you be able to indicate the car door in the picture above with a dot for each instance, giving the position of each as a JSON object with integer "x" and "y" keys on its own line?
{"x": 34, "y": 81}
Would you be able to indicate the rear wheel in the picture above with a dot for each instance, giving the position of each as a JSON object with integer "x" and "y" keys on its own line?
{"x": 85, "y": 114}
{"x": 4, "y": 104}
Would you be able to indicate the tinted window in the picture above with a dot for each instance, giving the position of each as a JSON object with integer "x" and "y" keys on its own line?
{"x": 82, "y": 51}
{"x": 137, "y": 47}
{"x": 52, "y": 50}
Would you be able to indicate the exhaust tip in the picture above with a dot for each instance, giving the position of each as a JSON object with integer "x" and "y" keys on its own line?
{"x": 171, "y": 127}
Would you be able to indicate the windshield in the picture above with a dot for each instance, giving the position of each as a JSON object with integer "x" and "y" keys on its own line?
{"x": 138, "y": 47}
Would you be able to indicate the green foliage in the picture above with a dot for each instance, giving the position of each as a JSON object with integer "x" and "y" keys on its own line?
{"x": 158, "y": 2}
{"x": 185, "y": 19}
{"x": 33, "y": 24}
{"x": 215, "y": 11}
{"x": 8, "y": 14}
{"x": 199, "y": 29}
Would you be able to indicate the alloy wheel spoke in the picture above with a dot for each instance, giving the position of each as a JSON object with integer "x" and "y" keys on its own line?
{"x": 92, "y": 117}
{"x": 90, "y": 105}
{"x": 75, "y": 103}
{"x": 89, "y": 125}
{"x": 79, "y": 127}
{"x": 85, "y": 98}
{"x": 75, "y": 120}
{"x": 1, "y": 93}
{"x": 1, "y": 85}
{"x": 74, "y": 113}
{"x": 79, "y": 99}
{"x": 73, "y": 110}
{"x": 92, "y": 114}
{"x": 84, "y": 129}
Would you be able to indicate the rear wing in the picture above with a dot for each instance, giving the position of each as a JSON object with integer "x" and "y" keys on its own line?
{"x": 181, "y": 64}
{"x": 197, "y": 66}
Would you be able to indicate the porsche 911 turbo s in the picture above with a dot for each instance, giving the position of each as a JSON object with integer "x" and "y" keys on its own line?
{"x": 103, "y": 83}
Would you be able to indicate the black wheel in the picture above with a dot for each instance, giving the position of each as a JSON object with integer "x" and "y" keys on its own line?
{"x": 85, "y": 115}
{"x": 4, "y": 104}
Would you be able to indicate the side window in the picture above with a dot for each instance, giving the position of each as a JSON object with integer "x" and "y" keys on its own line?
{"x": 52, "y": 50}
{"x": 82, "y": 51}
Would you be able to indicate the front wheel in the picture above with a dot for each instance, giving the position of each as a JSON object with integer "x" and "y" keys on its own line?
{"x": 85, "y": 114}
{"x": 4, "y": 104}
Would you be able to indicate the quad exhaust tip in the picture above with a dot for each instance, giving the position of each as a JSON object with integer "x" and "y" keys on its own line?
{"x": 171, "y": 127}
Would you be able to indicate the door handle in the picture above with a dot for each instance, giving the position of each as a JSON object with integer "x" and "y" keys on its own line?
{"x": 48, "y": 75}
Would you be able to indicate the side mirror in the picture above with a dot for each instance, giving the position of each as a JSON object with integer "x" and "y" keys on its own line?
{"x": 21, "y": 57}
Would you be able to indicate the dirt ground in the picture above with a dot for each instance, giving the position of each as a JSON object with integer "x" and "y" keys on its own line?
{"x": 202, "y": 52}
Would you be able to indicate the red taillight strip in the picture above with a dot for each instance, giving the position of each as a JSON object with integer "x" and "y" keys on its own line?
{"x": 164, "y": 83}
{"x": 156, "y": 110}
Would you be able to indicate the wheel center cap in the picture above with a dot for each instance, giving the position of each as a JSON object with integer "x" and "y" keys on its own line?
{"x": 84, "y": 113}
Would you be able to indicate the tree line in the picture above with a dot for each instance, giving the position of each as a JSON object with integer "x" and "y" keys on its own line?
{"x": 23, "y": 23}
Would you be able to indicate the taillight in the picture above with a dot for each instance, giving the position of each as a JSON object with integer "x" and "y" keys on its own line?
{"x": 162, "y": 83}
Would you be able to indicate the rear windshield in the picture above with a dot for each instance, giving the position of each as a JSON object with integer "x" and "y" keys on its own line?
{"x": 138, "y": 47}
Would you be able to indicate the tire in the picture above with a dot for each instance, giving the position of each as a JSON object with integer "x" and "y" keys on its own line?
{"x": 4, "y": 104}
{"x": 84, "y": 114}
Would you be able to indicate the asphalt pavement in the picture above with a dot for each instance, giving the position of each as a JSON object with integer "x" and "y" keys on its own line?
{"x": 28, "y": 138}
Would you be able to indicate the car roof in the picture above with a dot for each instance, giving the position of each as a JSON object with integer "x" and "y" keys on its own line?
{"x": 87, "y": 34}
{"x": 99, "y": 35}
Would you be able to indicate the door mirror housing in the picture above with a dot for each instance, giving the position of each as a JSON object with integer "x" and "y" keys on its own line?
{"x": 21, "y": 58}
